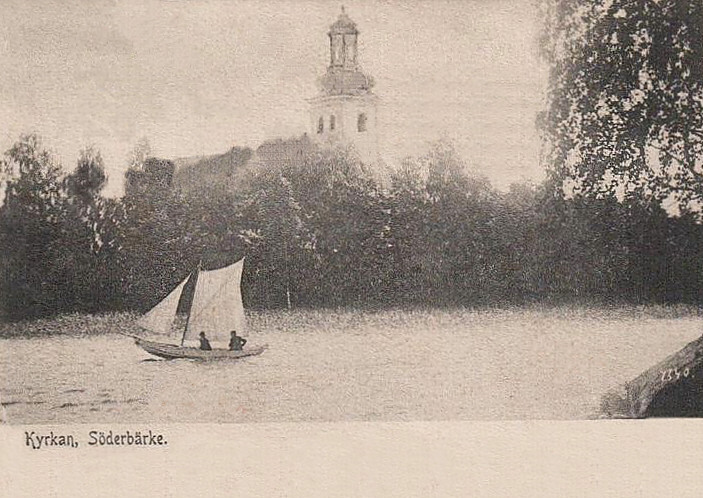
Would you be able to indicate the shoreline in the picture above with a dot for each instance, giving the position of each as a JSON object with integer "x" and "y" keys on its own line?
{"x": 87, "y": 324}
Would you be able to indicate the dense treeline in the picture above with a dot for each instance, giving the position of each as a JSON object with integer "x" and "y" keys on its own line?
{"x": 318, "y": 229}
{"x": 622, "y": 132}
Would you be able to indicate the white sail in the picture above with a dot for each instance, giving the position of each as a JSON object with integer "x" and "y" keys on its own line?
{"x": 217, "y": 305}
{"x": 160, "y": 318}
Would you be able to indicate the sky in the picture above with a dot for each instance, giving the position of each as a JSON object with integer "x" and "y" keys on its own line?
{"x": 198, "y": 77}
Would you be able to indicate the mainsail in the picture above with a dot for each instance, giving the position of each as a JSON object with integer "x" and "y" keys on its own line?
{"x": 217, "y": 307}
{"x": 160, "y": 318}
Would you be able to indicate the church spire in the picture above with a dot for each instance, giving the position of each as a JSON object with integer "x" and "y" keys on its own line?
{"x": 344, "y": 75}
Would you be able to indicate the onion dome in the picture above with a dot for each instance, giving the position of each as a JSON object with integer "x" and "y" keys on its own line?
{"x": 344, "y": 82}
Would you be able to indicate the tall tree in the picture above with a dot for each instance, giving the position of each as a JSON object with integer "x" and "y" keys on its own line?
{"x": 442, "y": 227}
{"x": 89, "y": 233}
{"x": 31, "y": 218}
{"x": 139, "y": 154}
{"x": 273, "y": 233}
{"x": 156, "y": 249}
{"x": 625, "y": 97}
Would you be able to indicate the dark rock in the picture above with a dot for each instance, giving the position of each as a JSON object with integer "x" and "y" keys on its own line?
{"x": 671, "y": 388}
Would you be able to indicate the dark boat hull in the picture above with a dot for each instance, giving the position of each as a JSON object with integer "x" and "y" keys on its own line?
{"x": 173, "y": 352}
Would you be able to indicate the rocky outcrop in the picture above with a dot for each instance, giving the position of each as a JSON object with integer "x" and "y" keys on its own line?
{"x": 671, "y": 388}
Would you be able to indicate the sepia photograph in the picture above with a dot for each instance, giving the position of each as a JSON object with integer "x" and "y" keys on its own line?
{"x": 270, "y": 212}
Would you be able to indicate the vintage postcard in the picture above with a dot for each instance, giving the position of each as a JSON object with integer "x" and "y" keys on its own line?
{"x": 255, "y": 222}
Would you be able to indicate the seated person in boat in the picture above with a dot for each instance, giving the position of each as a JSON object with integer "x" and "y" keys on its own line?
{"x": 204, "y": 343}
{"x": 236, "y": 343}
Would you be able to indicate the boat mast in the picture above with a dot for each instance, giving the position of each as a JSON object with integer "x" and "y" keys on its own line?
{"x": 195, "y": 283}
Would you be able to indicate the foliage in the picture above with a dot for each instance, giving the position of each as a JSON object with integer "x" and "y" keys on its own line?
{"x": 88, "y": 234}
{"x": 153, "y": 254}
{"x": 318, "y": 230}
{"x": 30, "y": 231}
{"x": 443, "y": 229}
{"x": 625, "y": 98}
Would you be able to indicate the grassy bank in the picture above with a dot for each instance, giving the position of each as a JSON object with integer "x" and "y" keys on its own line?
{"x": 77, "y": 324}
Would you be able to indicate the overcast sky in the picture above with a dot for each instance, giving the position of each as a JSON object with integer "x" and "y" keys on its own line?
{"x": 197, "y": 77}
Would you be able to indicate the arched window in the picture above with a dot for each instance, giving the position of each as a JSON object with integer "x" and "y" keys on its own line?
{"x": 361, "y": 122}
{"x": 320, "y": 125}
{"x": 333, "y": 122}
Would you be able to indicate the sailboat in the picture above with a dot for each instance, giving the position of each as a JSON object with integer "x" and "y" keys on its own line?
{"x": 216, "y": 310}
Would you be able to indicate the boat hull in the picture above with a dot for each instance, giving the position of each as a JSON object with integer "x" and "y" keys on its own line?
{"x": 173, "y": 352}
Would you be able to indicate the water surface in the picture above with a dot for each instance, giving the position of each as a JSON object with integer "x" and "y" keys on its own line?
{"x": 328, "y": 366}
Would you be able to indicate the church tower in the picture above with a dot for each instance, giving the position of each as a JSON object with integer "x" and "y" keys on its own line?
{"x": 345, "y": 110}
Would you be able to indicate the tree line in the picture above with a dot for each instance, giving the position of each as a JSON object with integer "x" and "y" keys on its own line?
{"x": 319, "y": 229}
{"x": 618, "y": 218}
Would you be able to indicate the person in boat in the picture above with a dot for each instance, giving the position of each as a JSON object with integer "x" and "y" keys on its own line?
{"x": 236, "y": 343}
{"x": 204, "y": 343}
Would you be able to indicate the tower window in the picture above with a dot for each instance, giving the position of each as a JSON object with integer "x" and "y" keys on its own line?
{"x": 320, "y": 125}
{"x": 333, "y": 122}
{"x": 361, "y": 122}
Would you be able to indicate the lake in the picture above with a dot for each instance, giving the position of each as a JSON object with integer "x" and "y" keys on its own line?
{"x": 348, "y": 365}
